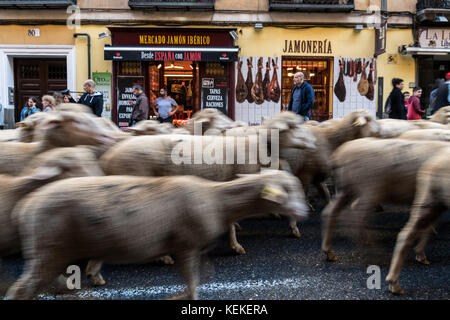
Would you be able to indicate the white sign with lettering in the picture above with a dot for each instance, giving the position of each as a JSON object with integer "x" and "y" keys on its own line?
{"x": 434, "y": 38}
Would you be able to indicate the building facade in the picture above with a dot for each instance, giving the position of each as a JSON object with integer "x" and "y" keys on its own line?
{"x": 237, "y": 56}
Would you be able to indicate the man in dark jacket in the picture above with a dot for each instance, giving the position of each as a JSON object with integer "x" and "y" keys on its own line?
{"x": 93, "y": 99}
{"x": 302, "y": 97}
{"x": 141, "y": 108}
{"x": 397, "y": 100}
{"x": 443, "y": 95}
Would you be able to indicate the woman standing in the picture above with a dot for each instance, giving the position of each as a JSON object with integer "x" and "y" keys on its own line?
{"x": 48, "y": 103}
{"x": 29, "y": 109}
{"x": 415, "y": 112}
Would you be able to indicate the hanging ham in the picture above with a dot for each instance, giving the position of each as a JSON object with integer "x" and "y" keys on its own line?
{"x": 339, "y": 88}
{"x": 274, "y": 87}
{"x": 241, "y": 88}
{"x": 371, "y": 92}
{"x": 363, "y": 85}
{"x": 249, "y": 81}
{"x": 266, "y": 81}
{"x": 257, "y": 89}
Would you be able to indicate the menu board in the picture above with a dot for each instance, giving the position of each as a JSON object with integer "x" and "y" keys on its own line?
{"x": 124, "y": 95}
{"x": 215, "y": 94}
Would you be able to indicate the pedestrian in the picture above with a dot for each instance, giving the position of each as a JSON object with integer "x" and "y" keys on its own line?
{"x": 91, "y": 98}
{"x": 29, "y": 109}
{"x": 406, "y": 96}
{"x": 48, "y": 103}
{"x": 397, "y": 100}
{"x": 67, "y": 98}
{"x": 442, "y": 95}
{"x": 433, "y": 95}
{"x": 141, "y": 108}
{"x": 415, "y": 111}
{"x": 302, "y": 97}
{"x": 164, "y": 104}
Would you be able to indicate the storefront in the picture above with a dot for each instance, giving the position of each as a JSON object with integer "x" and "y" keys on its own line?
{"x": 338, "y": 62}
{"x": 433, "y": 58}
{"x": 195, "y": 65}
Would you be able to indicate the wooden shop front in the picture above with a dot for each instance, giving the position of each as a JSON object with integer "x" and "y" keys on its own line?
{"x": 195, "y": 65}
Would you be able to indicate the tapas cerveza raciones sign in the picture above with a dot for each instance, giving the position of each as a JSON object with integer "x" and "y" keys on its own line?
{"x": 307, "y": 46}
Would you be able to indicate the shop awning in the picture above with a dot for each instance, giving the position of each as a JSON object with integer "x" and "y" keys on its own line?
{"x": 171, "y": 54}
{"x": 424, "y": 51}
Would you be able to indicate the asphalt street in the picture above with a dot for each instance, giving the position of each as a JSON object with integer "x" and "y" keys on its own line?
{"x": 279, "y": 266}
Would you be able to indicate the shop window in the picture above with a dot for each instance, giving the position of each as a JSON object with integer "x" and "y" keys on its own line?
{"x": 317, "y": 71}
{"x": 172, "y": 4}
{"x": 312, "y": 5}
{"x": 130, "y": 68}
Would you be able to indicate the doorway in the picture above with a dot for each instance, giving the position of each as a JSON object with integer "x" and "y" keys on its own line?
{"x": 317, "y": 71}
{"x": 37, "y": 77}
{"x": 431, "y": 68}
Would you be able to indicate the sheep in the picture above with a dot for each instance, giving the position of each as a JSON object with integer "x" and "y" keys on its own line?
{"x": 210, "y": 119}
{"x": 134, "y": 219}
{"x": 63, "y": 129}
{"x": 427, "y": 134}
{"x": 442, "y": 116}
{"x": 59, "y": 163}
{"x": 153, "y": 127}
{"x": 432, "y": 198}
{"x": 152, "y": 156}
{"x": 9, "y": 135}
{"x": 392, "y": 128}
{"x": 26, "y": 128}
{"x": 373, "y": 171}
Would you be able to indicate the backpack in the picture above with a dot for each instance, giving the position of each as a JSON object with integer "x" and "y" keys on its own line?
{"x": 388, "y": 106}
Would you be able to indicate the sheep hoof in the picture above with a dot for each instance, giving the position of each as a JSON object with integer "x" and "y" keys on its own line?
{"x": 433, "y": 229}
{"x": 276, "y": 216}
{"x": 239, "y": 249}
{"x": 331, "y": 256}
{"x": 394, "y": 288}
{"x": 296, "y": 233}
{"x": 311, "y": 207}
{"x": 237, "y": 226}
{"x": 98, "y": 282}
{"x": 422, "y": 259}
{"x": 167, "y": 260}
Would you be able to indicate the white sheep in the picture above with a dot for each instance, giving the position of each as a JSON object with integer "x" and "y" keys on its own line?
{"x": 135, "y": 219}
{"x": 432, "y": 198}
{"x": 369, "y": 172}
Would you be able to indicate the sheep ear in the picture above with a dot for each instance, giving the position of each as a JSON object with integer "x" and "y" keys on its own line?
{"x": 360, "y": 121}
{"x": 274, "y": 194}
{"x": 44, "y": 173}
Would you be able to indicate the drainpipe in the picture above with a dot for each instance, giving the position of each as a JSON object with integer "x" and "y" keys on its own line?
{"x": 76, "y": 35}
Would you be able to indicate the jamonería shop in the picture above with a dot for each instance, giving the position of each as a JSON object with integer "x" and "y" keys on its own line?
{"x": 195, "y": 65}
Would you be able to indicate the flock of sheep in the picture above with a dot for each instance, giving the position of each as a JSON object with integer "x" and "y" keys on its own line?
{"x": 74, "y": 186}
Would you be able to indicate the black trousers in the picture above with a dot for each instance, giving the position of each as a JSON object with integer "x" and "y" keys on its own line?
{"x": 168, "y": 119}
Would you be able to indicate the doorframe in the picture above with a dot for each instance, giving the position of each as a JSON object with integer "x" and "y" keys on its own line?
{"x": 9, "y": 52}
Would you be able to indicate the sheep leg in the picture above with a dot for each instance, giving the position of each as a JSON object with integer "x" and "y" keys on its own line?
{"x": 234, "y": 244}
{"x": 330, "y": 215}
{"x": 93, "y": 272}
{"x": 37, "y": 273}
{"x": 419, "y": 249}
{"x": 419, "y": 220}
{"x": 294, "y": 228}
{"x": 323, "y": 189}
{"x": 189, "y": 266}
